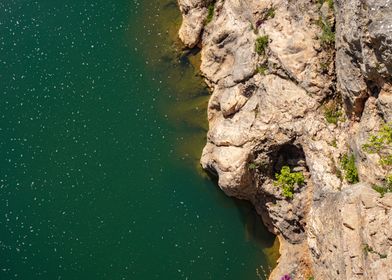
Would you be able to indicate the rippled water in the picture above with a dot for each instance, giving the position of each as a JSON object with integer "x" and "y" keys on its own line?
{"x": 101, "y": 126}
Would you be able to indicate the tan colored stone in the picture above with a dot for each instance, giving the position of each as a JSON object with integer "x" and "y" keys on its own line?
{"x": 330, "y": 229}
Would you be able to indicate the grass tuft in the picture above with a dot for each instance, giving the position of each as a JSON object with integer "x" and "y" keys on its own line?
{"x": 211, "y": 9}
{"x": 327, "y": 36}
{"x": 261, "y": 44}
{"x": 350, "y": 170}
{"x": 333, "y": 113}
{"x": 262, "y": 69}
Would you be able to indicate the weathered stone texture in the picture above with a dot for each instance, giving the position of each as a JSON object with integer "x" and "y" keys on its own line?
{"x": 263, "y": 119}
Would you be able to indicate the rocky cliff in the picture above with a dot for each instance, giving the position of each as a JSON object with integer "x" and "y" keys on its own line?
{"x": 304, "y": 84}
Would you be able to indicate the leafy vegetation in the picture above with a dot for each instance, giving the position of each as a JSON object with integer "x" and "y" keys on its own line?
{"x": 381, "y": 143}
{"x": 262, "y": 69}
{"x": 334, "y": 143}
{"x": 324, "y": 67}
{"x": 270, "y": 13}
{"x": 211, "y": 9}
{"x": 386, "y": 188}
{"x": 261, "y": 44}
{"x": 350, "y": 170}
{"x": 367, "y": 250}
{"x": 382, "y": 190}
{"x": 286, "y": 180}
{"x": 266, "y": 14}
{"x": 256, "y": 165}
{"x": 327, "y": 36}
{"x": 330, "y": 3}
{"x": 332, "y": 115}
{"x": 333, "y": 111}
{"x": 252, "y": 166}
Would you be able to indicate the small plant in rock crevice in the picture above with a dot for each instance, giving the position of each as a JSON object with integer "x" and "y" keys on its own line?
{"x": 333, "y": 112}
{"x": 211, "y": 9}
{"x": 287, "y": 180}
{"x": 252, "y": 166}
{"x": 382, "y": 190}
{"x": 385, "y": 188}
{"x": 270, "y": 13}
{"x": 349, "y": 168}
{"x": 327, "y": 36}
{"x": 330, "y": 3}
{"x": 257, "y": 165}
{"x": 261, "y": 44}
{"x": 262, "y": 69}
{"x": 324, "y": 67}
{"x": 266, "y": 14}
{"x": 369, "y": 250}
{"x": 381, "y": 143}
{"x": 334, "y": 143}
{"x": 332, "y": 115}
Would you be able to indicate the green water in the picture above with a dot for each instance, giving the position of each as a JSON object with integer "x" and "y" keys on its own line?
{"x": 102, "y": 123}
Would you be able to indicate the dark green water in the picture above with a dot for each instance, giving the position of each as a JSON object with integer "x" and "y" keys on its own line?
{"x": 101, "y": 126}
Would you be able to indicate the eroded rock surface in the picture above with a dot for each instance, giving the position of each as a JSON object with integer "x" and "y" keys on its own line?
{"x": 364, "y": 52}
{"x": 267, "y": 110}
{"x": 348, "y": 235}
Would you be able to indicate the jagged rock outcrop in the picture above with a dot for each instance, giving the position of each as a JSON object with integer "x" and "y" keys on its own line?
{"x": 267, "y": 110}
{"x": 364, "y": 53}
{"x": 194, "y": 13}
{"x": 349, "y": 235}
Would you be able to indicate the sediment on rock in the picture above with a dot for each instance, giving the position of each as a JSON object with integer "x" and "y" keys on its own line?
{"x": 275, "y": 73}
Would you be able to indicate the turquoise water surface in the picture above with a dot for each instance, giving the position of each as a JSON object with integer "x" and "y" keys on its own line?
{"x": 101, "y": 126}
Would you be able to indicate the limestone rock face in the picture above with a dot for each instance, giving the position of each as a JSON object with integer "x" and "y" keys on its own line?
{"x": 194, "y": 13}
{"x": 364, "y": 51}
{"x": 348, "y": 235}
{"x": 267, "y": 110}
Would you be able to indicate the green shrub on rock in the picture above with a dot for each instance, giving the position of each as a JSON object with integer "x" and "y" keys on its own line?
{"x": 262, "y": 69}
{"x": 327, "y": 36}
{"x": 271, "y": 12}
{"x": 350, "y": 170}
{"x": 261, "y": 44}
{"x": 381, "y": 144}
{"x": 286, "y": 180}
{"x": 332, "y": 115}
{"x": 382, "y": 189}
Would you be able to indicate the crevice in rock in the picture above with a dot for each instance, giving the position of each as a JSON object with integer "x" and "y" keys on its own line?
{"x": 373, "y": 89}
{"x": 288, "y": 154}
{"x": 279, "y": 70}
{"x": 280, "y": 214}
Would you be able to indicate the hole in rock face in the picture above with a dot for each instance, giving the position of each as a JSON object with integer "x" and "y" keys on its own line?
{"x": 249, "y": 90}
{"x": 288, "y": 155}
{"x": 374, "y": 88}
{"x": 272, "y": 206}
